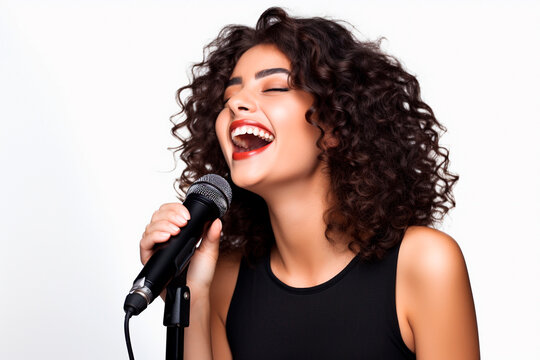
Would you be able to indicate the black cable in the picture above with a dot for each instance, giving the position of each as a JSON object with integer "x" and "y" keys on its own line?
{"x": 126, "y": 332}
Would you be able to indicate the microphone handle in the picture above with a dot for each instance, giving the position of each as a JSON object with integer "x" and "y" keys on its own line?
{"x": 173, "y": 256}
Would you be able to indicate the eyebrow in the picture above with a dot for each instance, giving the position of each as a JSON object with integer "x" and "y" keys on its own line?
{"x": 258, "y": 75}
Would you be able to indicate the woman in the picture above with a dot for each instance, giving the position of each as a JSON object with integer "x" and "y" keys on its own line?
{"x": 337, "y": 174}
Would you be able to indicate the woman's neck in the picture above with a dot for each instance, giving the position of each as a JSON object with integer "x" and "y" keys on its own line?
{"x": 303, "y": 256}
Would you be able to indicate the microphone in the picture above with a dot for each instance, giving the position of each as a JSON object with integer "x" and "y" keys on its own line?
{"x": 206, "y": 199}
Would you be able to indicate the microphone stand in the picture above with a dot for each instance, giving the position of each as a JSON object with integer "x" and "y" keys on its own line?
{"x": 176, "y": 315}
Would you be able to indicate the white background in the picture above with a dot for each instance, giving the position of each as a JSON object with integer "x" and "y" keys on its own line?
{"x": 86, "y": 90}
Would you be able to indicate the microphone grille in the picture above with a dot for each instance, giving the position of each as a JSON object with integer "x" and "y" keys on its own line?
{"x": 215, "y": 188}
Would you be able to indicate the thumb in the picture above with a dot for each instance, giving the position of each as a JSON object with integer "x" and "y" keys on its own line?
{"x": 203, "y": 264}
{"x": 210, "y": 243}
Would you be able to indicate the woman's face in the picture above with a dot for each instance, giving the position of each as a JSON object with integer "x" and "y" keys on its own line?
{"x": 262, "y": 129}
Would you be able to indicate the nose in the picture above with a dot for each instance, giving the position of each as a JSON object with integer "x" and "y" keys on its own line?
{"x": 241, "y": 102}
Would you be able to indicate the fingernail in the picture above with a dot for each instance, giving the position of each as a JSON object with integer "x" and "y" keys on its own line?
{"x": 186, "y": 214}
{"x": 181, "y": 219}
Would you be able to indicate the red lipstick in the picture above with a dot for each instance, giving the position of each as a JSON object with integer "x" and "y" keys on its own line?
{"x": 238, "y": 152}
{"x": 247, "y": 154}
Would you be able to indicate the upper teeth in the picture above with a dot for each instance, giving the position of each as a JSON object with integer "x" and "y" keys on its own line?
{"x": 253, "y": 130}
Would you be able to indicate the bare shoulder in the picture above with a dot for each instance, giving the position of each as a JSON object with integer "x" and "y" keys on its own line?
{"x": 224, "y": 283}
{"x": 436, "y": 297}
{"x": 429, "y": 253}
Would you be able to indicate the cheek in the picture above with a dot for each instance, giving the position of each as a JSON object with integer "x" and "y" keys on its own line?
{"x": 294, "y": 128}
{"x": 220, "y": 126}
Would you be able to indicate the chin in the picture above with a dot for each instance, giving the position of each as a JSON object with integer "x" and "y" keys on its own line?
{"x": 248, "y": 180}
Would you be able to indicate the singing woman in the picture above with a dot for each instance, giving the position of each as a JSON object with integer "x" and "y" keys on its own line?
{"x": 328, "y": 250}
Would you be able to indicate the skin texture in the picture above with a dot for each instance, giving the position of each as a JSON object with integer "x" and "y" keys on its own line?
{"x": 433, "y": 297}
{"x": 292, "y": 156}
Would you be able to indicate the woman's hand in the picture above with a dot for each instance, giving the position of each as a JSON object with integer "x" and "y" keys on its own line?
{"x": 168, "y": 221}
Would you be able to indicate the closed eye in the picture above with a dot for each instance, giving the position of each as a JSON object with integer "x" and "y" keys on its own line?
{"x": 276, "y": 89}
{"x": 267, "y": 90}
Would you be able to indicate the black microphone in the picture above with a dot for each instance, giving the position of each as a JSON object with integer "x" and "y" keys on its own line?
{"x": 206, "y": 199}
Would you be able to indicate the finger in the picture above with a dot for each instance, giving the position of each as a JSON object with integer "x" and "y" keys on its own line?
{"x": 175, "y": 206}
{"x": 162, "y": 226}
{"x": 171, "y": 216}
{"x": 214, "y": 232}
{"x": 210, "y": 243}
{"x": 148, "y": 242}
{"x": 171, "y": 210}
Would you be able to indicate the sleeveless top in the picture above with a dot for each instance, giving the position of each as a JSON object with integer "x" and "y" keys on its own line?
{"x": 351, "y": 316}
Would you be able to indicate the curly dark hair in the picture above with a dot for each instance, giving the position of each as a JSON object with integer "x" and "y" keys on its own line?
{"x": 387, "y": 169}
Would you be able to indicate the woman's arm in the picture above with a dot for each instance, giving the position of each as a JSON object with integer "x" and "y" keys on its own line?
{"x": 437, "y": 296}
{"x": 221, "y": 293}
{"x": 206, "y": 335}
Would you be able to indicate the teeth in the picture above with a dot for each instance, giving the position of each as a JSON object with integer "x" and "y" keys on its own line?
{"x": 252, "y": 130}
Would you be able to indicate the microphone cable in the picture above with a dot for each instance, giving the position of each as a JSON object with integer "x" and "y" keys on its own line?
{"x": 126, "y": 332}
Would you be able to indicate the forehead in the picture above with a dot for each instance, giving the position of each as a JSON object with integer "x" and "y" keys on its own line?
{"x": 260, "y": 57}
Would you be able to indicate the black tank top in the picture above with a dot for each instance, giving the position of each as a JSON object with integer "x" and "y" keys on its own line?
{"x": 351, "y": 316}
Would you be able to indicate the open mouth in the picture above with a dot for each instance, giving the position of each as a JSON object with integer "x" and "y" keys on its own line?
{"x": 249, "y": 138}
